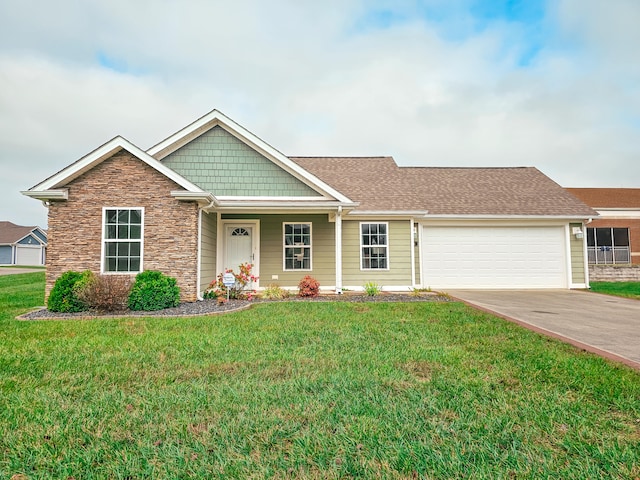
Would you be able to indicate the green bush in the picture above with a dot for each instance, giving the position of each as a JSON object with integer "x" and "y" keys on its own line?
{"x": 63, "y": 296}
{"x": 153, "y": 290}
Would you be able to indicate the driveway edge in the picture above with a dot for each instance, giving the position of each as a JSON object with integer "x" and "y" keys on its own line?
{"x": 558, "y": 336}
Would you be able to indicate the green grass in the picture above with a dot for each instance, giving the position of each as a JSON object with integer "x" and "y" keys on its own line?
{"x": 620, "y": 289}
{"x": 306, "y": 390}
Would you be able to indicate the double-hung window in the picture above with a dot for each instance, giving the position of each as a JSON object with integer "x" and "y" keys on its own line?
{"x": 297, "y": 246}
{"x": 122, "y": 239}
{"x": 374, "y": 246}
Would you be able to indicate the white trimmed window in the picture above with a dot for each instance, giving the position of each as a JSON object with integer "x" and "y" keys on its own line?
{"x": 296, "y": 246}
{"x": 122, "y": 240}
{"x": 374, "y": 246}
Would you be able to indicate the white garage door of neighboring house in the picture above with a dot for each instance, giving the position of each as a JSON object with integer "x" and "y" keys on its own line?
{"x": 28, "y": 255}
{"x": 494, "y": 257}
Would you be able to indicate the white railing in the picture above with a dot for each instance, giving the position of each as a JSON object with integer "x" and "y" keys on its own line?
{"x": 608, "y": 255}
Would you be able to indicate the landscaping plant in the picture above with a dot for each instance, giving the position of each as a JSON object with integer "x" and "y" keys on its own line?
{"x": 308, "y": 287}
{"x": 64, "y": 296}
{"x": 153, "y": 290}
{"x": 244, "y": 278}
{"x": 372, "y": 289}
{"x": 106, "y": 293}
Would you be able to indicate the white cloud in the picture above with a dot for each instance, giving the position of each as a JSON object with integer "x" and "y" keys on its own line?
{"x": 309, "y": 78}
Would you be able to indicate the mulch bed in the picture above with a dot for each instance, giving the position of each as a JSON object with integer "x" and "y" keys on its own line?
{"x": 211, "y": 306}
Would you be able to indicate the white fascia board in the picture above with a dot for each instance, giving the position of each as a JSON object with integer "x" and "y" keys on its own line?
{"x": 216, "y": 118}
{"x": 203, "y": 198}
{"x": 257, "y": 198}
{"x": 100, "y": 154}
{"x": 621, "y": 213}
{"x": 286, "y": 204}
{"x": 377, "y": 213}
{"x": 46, "y": 195}
{"x": 507, "y": 217}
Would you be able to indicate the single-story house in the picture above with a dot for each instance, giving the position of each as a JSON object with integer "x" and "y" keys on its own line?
{"x": 214, "y": 195}
{"x": 613, "y": 238}
{"x": 22, "y": 245}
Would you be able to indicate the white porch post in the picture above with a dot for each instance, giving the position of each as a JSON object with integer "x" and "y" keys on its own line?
{"x": 339, "y": 250}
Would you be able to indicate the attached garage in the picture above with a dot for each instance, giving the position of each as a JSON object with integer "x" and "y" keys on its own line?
{"x": 494, "y": 257}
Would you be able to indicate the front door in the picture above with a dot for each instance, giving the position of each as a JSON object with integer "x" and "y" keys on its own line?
{"x": 240, "y": 245}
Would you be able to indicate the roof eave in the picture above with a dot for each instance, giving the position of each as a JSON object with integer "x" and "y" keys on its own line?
{"x": 47, "y": 195}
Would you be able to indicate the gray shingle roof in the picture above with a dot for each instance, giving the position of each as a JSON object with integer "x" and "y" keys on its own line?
{"x": 379, "y": 184}
{"x": 11, "y": 233}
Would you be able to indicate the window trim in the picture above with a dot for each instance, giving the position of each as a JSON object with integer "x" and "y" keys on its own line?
{"x": 103, "y": 240}
{"x": 285, "y": 246}
{"x": 362, "y": 246}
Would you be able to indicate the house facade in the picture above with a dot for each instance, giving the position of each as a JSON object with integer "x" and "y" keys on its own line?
{"x": 214, "y": 195}
{"x": 22, "y": 245}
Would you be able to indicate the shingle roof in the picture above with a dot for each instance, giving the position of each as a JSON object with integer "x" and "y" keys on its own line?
{"x": 608, "y": 197}
{"x": 11, "y": 233}
{"x": 379, "y": 184}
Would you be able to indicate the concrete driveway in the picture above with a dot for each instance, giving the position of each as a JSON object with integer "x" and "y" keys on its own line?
{"x": 606, "y": 325}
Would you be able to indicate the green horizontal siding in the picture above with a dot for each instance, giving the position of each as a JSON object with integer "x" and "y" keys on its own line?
{"x": 219, "y": 163}
{"x": 208, "y": 249}
{"x": 271, "y": 249}
{"x": 399, "y": 273}
{"x": 577, "y": 255}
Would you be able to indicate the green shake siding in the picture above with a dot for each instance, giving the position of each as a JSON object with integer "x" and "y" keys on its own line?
{"x": 219, "y": 163}
{"x": 399, "y": 273}
{"x": 577, "y": 255}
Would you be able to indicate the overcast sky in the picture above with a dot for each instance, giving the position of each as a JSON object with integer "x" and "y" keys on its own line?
{"x": 552, "y": 84}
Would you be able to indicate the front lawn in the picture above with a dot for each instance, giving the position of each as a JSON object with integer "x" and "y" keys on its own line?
{"x": 620, "y": 289}
{"x": 306, "y": 390}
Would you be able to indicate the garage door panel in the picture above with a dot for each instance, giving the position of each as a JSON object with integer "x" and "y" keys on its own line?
{"x": 494, "y": 257}
{"x": 28, "y": 255}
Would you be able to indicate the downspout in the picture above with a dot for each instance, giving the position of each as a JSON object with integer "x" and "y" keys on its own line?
{"x": 585, "y": 253}
{"x": 339, "y": 250}
{"x": 413, "y": 253}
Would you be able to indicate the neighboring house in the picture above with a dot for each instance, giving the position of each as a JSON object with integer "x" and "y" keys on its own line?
{"x": 214, "y": 195}
{"x": 22, "y": 245}
{"x": 614, "y": 237}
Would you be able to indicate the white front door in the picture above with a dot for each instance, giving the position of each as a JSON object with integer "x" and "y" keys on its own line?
{"x": 241, "y": 242}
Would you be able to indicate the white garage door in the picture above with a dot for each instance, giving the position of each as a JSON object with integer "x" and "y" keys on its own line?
{"x": 28, "y": 255}
{"x": 494, "y": 257}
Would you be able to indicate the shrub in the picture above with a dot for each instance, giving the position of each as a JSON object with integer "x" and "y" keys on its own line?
{"x": 153, "y": 290}
{"x": 274, "y": 292}
{"x": 107, "y": 293}
{"x": 372, "y": 289}
{"x": 308, "y": 287}
{"x": 63, "y": 297}
{"x": 218, "y": 289}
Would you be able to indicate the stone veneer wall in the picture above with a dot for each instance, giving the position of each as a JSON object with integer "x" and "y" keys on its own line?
{"x": 614, "y": 273}
{"x": 170, "y": 226}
